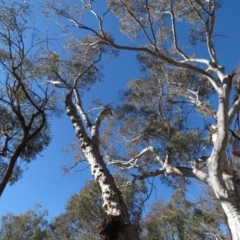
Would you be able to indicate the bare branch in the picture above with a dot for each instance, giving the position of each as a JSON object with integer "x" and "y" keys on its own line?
{"x": 139, "y": 23}
{"x": 177, "y": 171}
{"x": 16, "y": 154}
{"x": 82, "y": 72}
{"x": 95, "y": 127}
{"x": 62, "y": 82}
{"x": 134, "y": 139}
{"x": 233, "y": 111}
{"x": 4, "y": 146}
{"x": 234, "y": 134}
{"x": 181, "y": 64}
{"x": 133, "y": 162}
{"x": 100, "y": 20}
{"x": 78, "y": 103}
{"x": 76, "y": 120}
{"x": 209, "y": 31}
{"x": 174, "y": 31}
{"x": 76, "y": 23}
{"x": 167, "y": 168}
{"x": 151, "y": 23}
{"x": 197, "y": 12}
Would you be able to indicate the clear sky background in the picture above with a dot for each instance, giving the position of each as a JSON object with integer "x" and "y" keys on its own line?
{"x": 43, "y": 182}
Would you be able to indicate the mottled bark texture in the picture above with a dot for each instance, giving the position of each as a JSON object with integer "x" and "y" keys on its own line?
{"x": 116, "y": 225}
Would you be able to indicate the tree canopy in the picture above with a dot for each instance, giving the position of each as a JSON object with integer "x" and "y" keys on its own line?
{"x": 30, "y": 225}
{"x": 26, "y": 101}
{"x": 176, "y": 219}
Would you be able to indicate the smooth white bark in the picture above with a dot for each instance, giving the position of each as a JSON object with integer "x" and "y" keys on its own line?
{"x": 233, "y": 217}
{"x": 222, "y": 184}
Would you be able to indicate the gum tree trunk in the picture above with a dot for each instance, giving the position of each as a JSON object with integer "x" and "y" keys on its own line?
{"x": 227, "y": 195}
{"x": 116, "y": 225}
{"x": 221, "y": 177}
{"x": 233, "y": 216}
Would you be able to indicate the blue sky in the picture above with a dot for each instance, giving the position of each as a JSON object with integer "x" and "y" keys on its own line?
{"x": 43, "y": 182}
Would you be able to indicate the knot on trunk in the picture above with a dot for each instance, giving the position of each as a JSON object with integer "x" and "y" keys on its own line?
{"x": 109, "y": 227}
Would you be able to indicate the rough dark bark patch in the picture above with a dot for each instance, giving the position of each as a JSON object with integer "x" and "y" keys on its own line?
{"x": 109, "y": 227}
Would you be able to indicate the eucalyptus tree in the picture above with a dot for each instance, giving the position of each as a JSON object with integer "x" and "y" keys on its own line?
{"x": 30, "y": 225}
{"x": 176, "y": 89}
{"x": 24, "y": 99}
{"x": 182, "y": 219}
{"x": 75, "y": 74}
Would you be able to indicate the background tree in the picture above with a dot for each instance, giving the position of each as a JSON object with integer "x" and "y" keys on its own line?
{"x": 178, "y": 218}
{"x": 31, "y": 225}
{"x": 183, "y": 219}
{"x": 185, "y": 80}
{"x": 25, "y": 100}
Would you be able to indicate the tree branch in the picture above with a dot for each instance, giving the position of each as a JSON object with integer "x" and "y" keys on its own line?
{"x": 156, "y": 52}
{"x": 78, "y": 103}
{"x": 232, "y": 111}
{"x": 181, "y": 64}
{"x": 139, "y": 23}
{"x": 76, "y": 120}
{"x": 167, "y": 168}
{"x": 133, "y": 162}
{"x": 177, "y": 171}
{"x": 209, "y": 31}
{"x": 95, "y": 127}
{"x": 151, "y": 23}
{"x": 174, "y": 31}
{"x": 17, "y": 153}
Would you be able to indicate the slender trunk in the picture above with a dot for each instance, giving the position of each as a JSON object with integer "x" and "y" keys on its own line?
{"x": 8, "y": 173}
{"x": 12, "y": 162}
{"x": 116, "y": 225}
{"x": 222, "y": 182}
{"x": 224, "y": 189}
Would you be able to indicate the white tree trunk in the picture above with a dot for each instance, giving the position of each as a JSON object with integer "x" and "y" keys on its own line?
{"x": 222, "y": 181}
{"x": 226, "y": 192}
{"x": 113, "y": 202}
{"x": 233, "y": 217}
{"x": 116, "y": 225}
